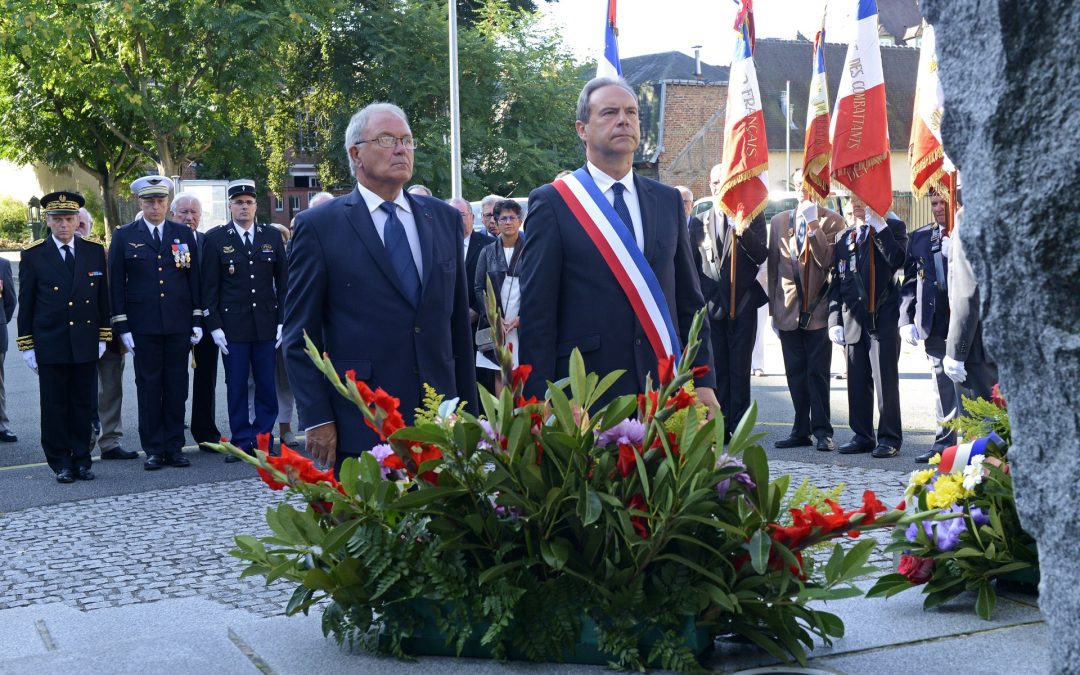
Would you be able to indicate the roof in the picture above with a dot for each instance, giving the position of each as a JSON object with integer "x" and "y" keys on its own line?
{"x": 668, "y": 66}
{"x": 899, "y": 18}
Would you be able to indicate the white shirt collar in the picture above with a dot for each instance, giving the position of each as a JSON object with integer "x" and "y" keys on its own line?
{"x": 373, "y": 201}
{"x": 605, "y": 182}
{"x": 60, "y": 245}
{"x": 240, "y": 231}
{"x": 152, "y": 225}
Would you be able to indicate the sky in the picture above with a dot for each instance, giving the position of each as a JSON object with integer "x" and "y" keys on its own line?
{"x": 654, "y": 26}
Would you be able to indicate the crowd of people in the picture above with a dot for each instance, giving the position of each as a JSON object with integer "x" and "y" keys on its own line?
{"x": 391, "y": 284}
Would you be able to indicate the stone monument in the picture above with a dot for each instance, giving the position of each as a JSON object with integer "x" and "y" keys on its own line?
{"x": 1012, "y": 124}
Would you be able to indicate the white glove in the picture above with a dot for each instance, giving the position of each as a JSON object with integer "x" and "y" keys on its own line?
{"x": 910, "y": 334}
{"x": 836, "y": 334}
{"x": 30, "y": 358}
{"x": 219, "y": 339}
{"x": 128, "y": 342}
{"x": 278, "y": 343}
{"x": 875, "y": 221}
{"x": 100, "y": 348}
{"x": 808, "y": 210}
{"x": 946, "y": 244}
{"x": 954, "y": 369}
{"x": 196, "y": 335}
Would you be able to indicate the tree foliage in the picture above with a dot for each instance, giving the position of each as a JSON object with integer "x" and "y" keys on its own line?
{"x": 518, "y": 87}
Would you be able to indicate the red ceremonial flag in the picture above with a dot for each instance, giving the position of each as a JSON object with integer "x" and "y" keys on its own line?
{"x": 930, "y": 168}
{"x": 817, "y": 149}
{"x": 744, "y": 191}
{"x": 860, "y": 124}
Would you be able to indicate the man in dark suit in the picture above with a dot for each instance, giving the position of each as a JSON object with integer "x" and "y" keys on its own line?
{"x": 377, "y": 281}
{"x": 474, "y": 243}
{"x": 924, "y": 313}
{"x": 569, "y": 298}
{"x": 728, "y": 251}
{"x": 63, "y": 327}
{"x": 157, "y": 310}
{"x": 244, "y": 281}
{"x": 864, "y": 314}
{"x": 187, "y": 210}
{"x": 7, "y": 289}
{"x": 966, "y": 360}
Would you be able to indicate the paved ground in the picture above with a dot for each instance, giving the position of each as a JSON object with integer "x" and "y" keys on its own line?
{"x": 130, "y": 573}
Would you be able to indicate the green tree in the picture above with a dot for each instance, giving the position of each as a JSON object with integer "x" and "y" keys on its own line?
{"x": 147, "y": 82}
{"x": 518, "y": 87}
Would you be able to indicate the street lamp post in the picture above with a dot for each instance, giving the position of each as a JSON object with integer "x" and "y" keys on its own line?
{"x": 33, "y": 218}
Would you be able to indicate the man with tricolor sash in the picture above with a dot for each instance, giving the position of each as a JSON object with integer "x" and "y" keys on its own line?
{"x": 608, "y": 269}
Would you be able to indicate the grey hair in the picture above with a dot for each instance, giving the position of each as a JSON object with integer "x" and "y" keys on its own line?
{"x": 355, "y": 131}
{"x": 459, "y": 201}
{"x": 686, "y": 192}
{"x": 489, "y": 199}
{"x": 89, "y": 218}
{"x": 594, "y": 84}
{"x": 183, "y": 198}
{"x": 422, "y": 190}
{"x": 319, "y": 198}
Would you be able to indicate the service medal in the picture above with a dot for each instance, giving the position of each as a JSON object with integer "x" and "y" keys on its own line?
{"x": 232, "y": 269}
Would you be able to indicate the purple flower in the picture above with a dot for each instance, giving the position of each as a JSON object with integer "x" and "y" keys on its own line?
{"x": 630, "y": 432}
{"x": 727, "y": 460}
{"x": 489, "y": 439}
{"x": 979, "y": 517}
{"x": 381, "y": 452}
{"x": 912, "y": 532}
{"x": 948, "y": 533}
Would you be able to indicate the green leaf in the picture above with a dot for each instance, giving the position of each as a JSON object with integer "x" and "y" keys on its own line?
{"x": 984, "y": 604}
{"x": 835, "y": 565}
{"x": 593, "y": 507}
{"x": 351, "y": 470}
{"x": 428, "y": 433}
{"x": 337, "y": 537}
{"x": 555, "y": 552}
{"x": 759, "y": 546}
{"x": 578, "y": 380}
{"x": 319, "y": 580}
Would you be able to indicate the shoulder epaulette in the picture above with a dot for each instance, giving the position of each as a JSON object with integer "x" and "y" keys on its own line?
{"x": 36, "y": 242}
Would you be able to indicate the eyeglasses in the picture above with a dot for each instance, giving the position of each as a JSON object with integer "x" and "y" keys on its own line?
{"x": 487, "y": 215}
{"x": 388, "y": 141}
{"x": 508, "y": 219}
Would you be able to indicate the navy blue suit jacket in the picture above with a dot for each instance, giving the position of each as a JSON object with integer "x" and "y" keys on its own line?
{"x": 847, "y": 307}
{"x": 344, "y": 293}
{"x": 569, "y": 297}
{"x": 922, "y": 300}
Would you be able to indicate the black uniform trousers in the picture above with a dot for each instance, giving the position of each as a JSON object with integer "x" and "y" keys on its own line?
{"x": 66, "y": 393}
{"x": 807, "y": 358}
{"x": 161, "y": 381}
{"x": 204, "y": 379}
{"x": 873, "y": 368}
{"x": 733, "y": 349}
{"x": 945, "y": 390}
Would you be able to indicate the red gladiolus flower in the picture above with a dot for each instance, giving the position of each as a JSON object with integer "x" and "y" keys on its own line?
{"x": 682, "y": 399}
{"x": 522, "y": 401}
{"x": 997, "y": 399}
{"x": 519, "y": 375}
{"x": 917, "y": 570}
{"x": 269, "y": 479}
{"x": 427, "y": 453}
{"x": 700, "y": 371}
{"x": 648, "y": 404}
{"x": 393, "y": 462}
{"x": 902, "y": 506}
{"x": 626, "y": 462}
{"x": 871, "y": 507}
{"x": 666, "y": 368}
{"x": 639, "y": 522}
{"x": 262, "y": 442}
{"x": 672, "y": 437}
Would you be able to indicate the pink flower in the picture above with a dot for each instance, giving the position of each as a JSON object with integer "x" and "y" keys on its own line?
{"x": 627, "y": 432}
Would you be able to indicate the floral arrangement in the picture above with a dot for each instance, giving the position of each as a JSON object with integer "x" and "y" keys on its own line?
{"x": 520, "y": 530}
{"x": 976, "y": 538}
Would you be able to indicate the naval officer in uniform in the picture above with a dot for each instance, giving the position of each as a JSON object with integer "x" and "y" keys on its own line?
{"x": 63, "y": 327}
{"x": 244, "y": 276}
{"x": 157, "y": 310}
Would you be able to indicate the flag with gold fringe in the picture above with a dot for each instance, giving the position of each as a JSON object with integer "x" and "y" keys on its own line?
{"x": 930, "y": 167}
{"x": 860, "y": 124}
{"x": 817, "y": 150}
{"x": 744, "y": 190}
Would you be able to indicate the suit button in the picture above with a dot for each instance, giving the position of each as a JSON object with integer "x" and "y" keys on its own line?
{"x": 637, "y": 341}
{"x": 72, "y": 304}
{"x": 253, "y": 304}
{"x": 252, "y": 276}
{"x": 416, "y": 329}
{"x": 161, "y": 281}
{"x": 159, "y": 257}
{"x": 163, "y": 295}
{"x": 159, "y": 269}
{"x": 88, "y": 302}
{"x": 71, "y": 323}
{"x": 56, "y": 288}
{"x": 88, "y": 321}
{"x": 253, "y": 290}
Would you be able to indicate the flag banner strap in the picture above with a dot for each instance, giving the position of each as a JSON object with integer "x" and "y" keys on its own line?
{"x": 615, "y": 241}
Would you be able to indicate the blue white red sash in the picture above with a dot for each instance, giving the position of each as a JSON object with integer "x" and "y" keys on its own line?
{"x": 615, "y": 241}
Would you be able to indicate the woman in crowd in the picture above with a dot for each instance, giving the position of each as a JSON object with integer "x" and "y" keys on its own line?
{"x": 499, "y": 263}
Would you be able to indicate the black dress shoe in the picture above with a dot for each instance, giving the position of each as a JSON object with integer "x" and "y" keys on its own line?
{"x": 926, "y": 456}
{"x": 118, "y": 453}
{"x": 8, "y": 437}
{"x": 824, "y": 444}
{"x": 855, "y": 447}
{"x": 154, "y": 462}
{"x": 83, "y": 473}
{"x": 794, "y": 442}
{"x": 177, "y": 460}
{"x": 885, "y": 451}
{"x": 65, "y": 476}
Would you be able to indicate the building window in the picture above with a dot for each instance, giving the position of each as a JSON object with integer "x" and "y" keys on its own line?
{"x": 279, "y": 204}
{"x": 294, "y": 203}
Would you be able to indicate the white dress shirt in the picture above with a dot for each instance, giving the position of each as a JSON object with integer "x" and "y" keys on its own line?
{"x": 60, "y": 247}
{"x": 605, "y": 183}
{"x": 404, "y": 214}
{"x": 160, "y": 227}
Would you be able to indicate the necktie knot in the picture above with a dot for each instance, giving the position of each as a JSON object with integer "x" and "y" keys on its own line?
{"x": 618, "y": 189}
{"x": 67, "y": 250}
{"x": 390, "y": 208}
{"x": 397, "y": 245}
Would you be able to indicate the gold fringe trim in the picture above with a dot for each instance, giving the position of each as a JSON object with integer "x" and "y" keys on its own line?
{"x": 817, "y": 163}
{"x": 861, "y": 167}
{"x": 740, "y": 226}
{"x": 819, "y": 189}
{"x": 742, "y": 178}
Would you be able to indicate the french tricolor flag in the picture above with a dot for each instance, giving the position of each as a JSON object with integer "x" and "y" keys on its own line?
{"x": 817, "y": 149}
{"x": 860, "y": 128}
{"x": 608, "y": 64}
{"x": 930, "y": 167}
{"x": 745, "y": 188}
{"x": 956, "y": 457}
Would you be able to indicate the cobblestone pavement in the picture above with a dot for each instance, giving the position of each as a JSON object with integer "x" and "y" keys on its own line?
{"x": 138, "y": 548}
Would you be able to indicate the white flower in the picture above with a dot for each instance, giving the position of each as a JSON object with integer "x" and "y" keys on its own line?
{"x": 973, "y": 472}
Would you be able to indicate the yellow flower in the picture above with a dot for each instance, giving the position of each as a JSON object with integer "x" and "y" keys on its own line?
{"x": 936, "y": 459}
{"x": 922, "y": 477}
{"x": 947, "y": 490}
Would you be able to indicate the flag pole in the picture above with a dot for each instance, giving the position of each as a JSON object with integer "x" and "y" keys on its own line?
{"x": 787, "y": 135}
{"x": 950, "y": 213}
{"x": 455, "y": 107}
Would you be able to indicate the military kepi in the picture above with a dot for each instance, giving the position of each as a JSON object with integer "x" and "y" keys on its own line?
{"x": 62, "y": 202}
{"x": 152, "y": 186}
{"x": 242, "y": 186}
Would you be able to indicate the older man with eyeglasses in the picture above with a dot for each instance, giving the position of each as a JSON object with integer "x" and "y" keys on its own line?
{"x": 377, "y": 283}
